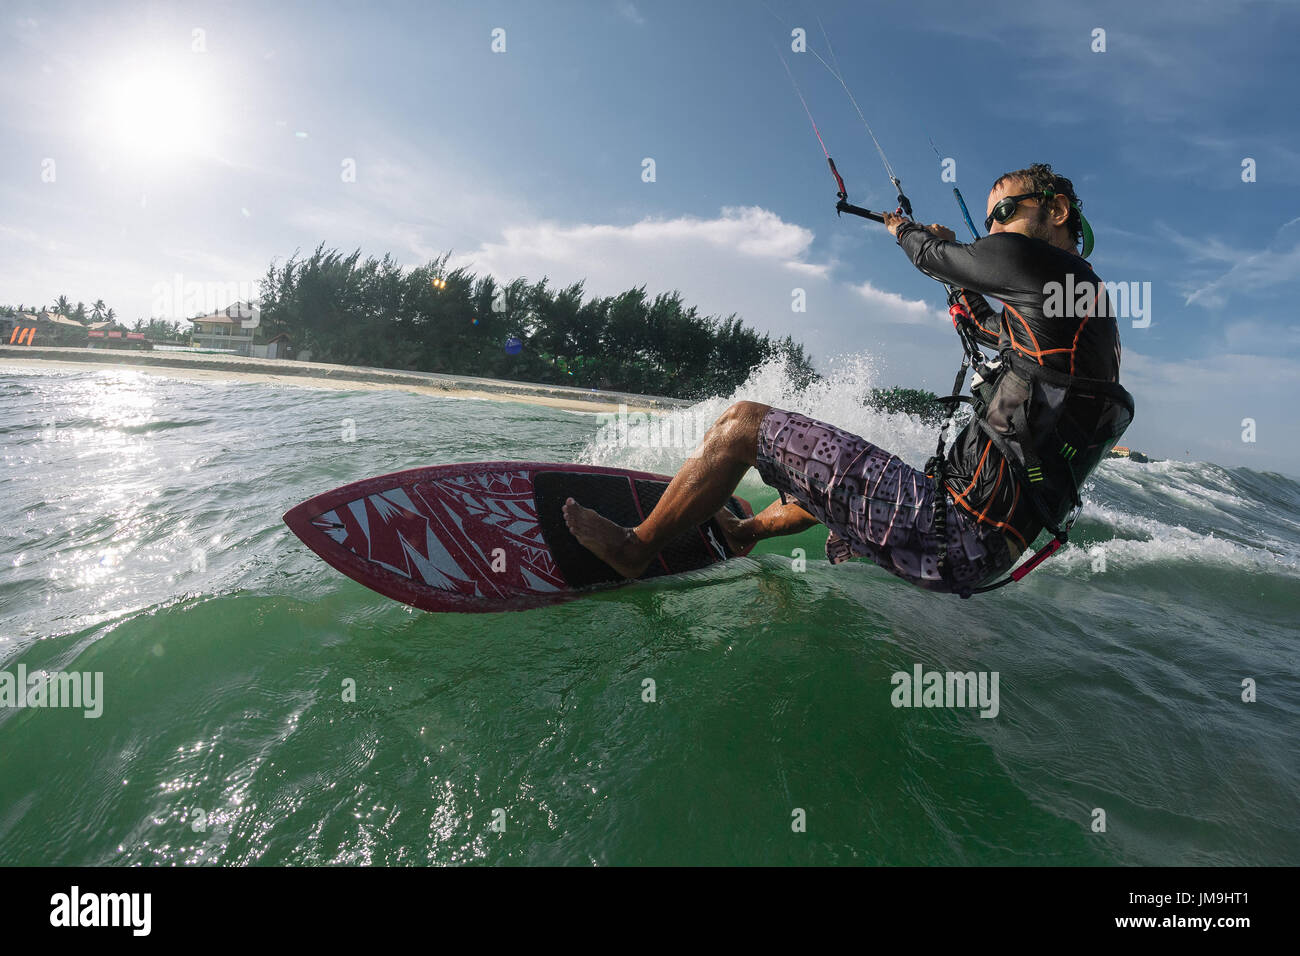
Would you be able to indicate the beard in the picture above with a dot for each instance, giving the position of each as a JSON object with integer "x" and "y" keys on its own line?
{"x": 1039, "y": 227}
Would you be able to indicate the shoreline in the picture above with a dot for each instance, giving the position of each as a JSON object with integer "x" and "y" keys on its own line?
{"x": 198, "y": 366}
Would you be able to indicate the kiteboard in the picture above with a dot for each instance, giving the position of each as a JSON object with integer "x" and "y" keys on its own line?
{"x": 490, "y": 536}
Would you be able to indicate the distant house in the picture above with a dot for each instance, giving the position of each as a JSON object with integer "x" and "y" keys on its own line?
{"x": 1122, "y": 451}
{"x": 278, "y": 346}
{"x": 237, "y": 328}
{"x": 41, "y": 328}
{"x": 48, "y": 328}
{"x": 233, "y": 329}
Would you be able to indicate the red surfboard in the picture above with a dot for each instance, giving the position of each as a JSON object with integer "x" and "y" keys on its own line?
{"x": 489, "y": 536}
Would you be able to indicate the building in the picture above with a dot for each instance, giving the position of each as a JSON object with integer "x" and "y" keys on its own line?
{"x": 237, "y": 329}
{"x": 51, "y": 328}
{"x": 1122, "y": 451}
{"x": 114, "y": 336}
{"x": 276, "y": 347}
{"x": 230, "y": 330}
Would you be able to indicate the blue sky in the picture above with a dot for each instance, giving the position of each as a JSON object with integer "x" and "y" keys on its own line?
{"x": 206, "y": 154}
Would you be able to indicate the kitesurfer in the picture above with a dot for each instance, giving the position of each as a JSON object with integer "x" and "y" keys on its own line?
{"x": 1049, "y": 412}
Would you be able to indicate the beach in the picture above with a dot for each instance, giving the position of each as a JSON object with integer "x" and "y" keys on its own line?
{"x": 208, "y": 366}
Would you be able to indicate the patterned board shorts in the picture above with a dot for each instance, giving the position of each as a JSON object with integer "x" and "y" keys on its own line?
{"x": 874, "y": 504}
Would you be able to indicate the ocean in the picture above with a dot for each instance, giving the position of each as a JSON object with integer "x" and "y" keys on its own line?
{"x": 256, "y": 707}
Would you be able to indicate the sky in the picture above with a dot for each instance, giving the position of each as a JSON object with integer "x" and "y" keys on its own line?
{"x": 155, "y": 151}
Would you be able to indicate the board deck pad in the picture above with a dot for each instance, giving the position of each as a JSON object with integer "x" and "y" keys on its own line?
{"x": 489, "y": 536}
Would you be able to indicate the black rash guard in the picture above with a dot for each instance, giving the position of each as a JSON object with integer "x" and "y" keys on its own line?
{"x": 1083, "y": 342}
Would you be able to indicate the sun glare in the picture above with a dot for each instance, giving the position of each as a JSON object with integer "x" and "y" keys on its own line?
{"x": 157, "y": 112}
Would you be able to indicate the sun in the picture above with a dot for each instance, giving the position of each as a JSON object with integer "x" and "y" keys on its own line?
{"x": 157, "y": 111}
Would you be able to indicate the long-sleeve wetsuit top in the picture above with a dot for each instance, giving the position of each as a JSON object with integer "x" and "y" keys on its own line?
{"x": 1018, "y": 271}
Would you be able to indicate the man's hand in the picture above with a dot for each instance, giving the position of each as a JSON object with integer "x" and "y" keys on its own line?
{"x": 895, "y": 219}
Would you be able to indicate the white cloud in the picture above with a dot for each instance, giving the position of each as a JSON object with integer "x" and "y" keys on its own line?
{"x": 899, "y": 309}
{"x": 629, "y": 11}
{"x": 1251, "y": 273}
{"x": 1202, "y": 248}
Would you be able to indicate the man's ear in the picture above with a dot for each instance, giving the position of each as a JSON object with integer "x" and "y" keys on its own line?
{"x": 1060, "y": 209}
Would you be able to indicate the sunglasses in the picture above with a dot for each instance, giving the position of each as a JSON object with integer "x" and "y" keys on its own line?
{"x": 1006, "y": 208}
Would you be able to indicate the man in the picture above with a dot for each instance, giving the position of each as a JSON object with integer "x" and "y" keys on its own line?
{"x": 1041, "y": 424}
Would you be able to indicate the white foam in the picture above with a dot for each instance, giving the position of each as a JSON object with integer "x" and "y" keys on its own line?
{"x": 1165, "y": 542}
{"x": 1195, "y": 484}
{"x": 835, "y": 399}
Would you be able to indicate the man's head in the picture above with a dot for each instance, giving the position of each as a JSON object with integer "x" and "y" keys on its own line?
{"x": 1044, "y": 206}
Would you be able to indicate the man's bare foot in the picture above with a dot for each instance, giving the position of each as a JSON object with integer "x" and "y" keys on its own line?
{"x": 612, "y": 543}
{"x": 739, "y": 532}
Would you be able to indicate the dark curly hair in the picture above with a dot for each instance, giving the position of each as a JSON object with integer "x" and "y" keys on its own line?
{"x": 1039, "y": 177}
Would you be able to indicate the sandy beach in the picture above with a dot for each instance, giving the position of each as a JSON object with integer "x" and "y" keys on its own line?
{"x": 203, "y": 366}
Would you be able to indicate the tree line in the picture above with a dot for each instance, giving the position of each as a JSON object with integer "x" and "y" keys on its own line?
{"x": 355, "y": 311}
{"x": 923, "y": 404}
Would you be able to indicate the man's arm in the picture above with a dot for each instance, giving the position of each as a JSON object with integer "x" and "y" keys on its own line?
{"x": 988, "y": 323}
{"x": 999, "y": 265}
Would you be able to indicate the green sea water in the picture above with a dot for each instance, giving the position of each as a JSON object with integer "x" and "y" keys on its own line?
{"x": 142, "y": 540}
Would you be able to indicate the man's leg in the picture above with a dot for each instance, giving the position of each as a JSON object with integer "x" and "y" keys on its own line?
{"x": 697, "y": 492}
{"x": 773, "y": 521}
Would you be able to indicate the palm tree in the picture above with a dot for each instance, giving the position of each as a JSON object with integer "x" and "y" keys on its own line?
{"x": 62, "y": 306}
{"x": 97, "y": 310}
